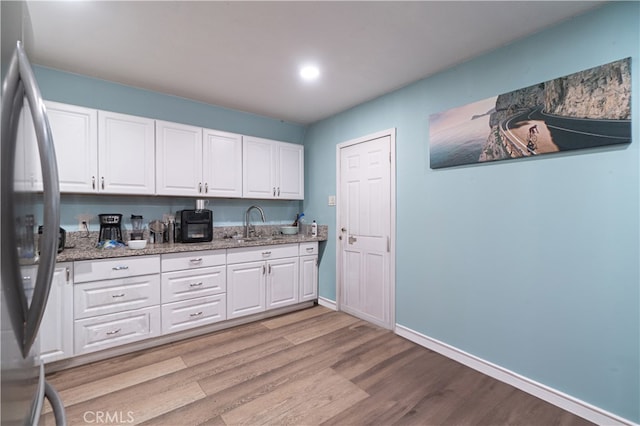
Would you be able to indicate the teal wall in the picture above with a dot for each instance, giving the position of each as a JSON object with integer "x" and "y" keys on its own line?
{"x": 81, "y": 90}
{"x": 532, "y": 265}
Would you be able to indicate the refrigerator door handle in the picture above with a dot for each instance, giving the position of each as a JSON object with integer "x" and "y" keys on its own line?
{"x": 22, "y": 82}
{"x": 56, "y": 404}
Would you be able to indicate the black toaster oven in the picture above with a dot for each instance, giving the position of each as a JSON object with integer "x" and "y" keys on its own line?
{"x": 194, "y": 226}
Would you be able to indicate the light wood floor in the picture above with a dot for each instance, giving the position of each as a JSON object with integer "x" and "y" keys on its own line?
{"x": 310, "y": 367}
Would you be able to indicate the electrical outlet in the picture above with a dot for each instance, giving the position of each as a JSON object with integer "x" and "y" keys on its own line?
{"x": 332, "y": 200}
{"x": 83, "y": 222}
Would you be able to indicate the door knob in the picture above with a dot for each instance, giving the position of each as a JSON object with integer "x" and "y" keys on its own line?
{"x": 344, "y": 229}
{"x": 352, "y": 239}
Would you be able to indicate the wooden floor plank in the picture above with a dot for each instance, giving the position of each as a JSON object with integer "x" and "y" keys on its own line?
{"x": 295, "y": 317}
{"x": 308, "y": 401}
{"x": 96, "y": 388}
{"x": 310, "y": 367}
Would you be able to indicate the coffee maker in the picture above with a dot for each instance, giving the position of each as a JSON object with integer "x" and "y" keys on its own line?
{"x": 110, "y": 227}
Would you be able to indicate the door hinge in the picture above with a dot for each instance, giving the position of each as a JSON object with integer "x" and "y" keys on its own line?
{"x": 388, "y": 244}
{"x": 389, "y": 156}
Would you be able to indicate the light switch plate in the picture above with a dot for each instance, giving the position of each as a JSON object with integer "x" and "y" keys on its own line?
{"x": 332, "y": 200}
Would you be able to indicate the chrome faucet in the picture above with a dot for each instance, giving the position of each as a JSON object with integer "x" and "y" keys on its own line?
{"x": 247, "y": 219}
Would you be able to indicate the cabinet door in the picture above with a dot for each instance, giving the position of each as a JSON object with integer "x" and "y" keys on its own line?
{"x": 56, "y": 329}
{"x": 126, "y": 154}
{"x": 75, "y": 137}
{"x": 308, "y": 278}
{"x": 290, "y": 172}
{"x": 178, "y": 159}
{"x": 282, "y": 282}
{"x": 245, "y": 289}
{"x": 258, "y": 168}
{"x": 222, "y": 164}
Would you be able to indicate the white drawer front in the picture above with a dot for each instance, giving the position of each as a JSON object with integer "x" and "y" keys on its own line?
{"x": 93, "y": 334}
{"x": 252, "y": 254}
{"x": 308, "y": 249}
{"x": 194, "y": 259}
{"x": 111, "y": 296}
{"x": 184, "y": 285}
{"x": 95, "y": 270}
{"x": 193, "y": 313}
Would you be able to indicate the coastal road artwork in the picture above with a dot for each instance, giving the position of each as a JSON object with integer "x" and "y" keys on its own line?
{"x": 587, "y": 109}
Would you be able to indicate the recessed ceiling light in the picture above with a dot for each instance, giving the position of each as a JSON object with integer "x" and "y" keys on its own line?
{"x": 309, "y": 72}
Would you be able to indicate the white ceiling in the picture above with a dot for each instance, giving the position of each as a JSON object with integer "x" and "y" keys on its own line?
{"x": 245, "y": 55}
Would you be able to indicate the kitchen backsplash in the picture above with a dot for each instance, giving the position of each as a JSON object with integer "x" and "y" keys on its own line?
{"x": 226, "y": 212}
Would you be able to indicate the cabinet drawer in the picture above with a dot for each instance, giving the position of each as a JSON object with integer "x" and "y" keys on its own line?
{"x": 111, "y": 296}
{"x": 308, "y": 249}
{"x": 193, "y": 313}
{"x": 93, "y": 334}
{"x": 182, "y": 285}
{"x": 95, "y": 270}
{"x": 253, "y": 254}
{"x": 192, "y": 260}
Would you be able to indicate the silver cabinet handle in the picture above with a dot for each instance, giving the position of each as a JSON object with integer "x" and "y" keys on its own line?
{"x": 269, "y": 269}
{"x": 116, "y": 296}
{"x": 20, "y": 81}
{"x": 206, "y": 188}
{"x": 120, "y": 268}
{"x": 111, "y": 333}
{"x": 264, "y": 269}
{"x": 278, "y": 191}
{"x": 266, "y": 253}
{"x": 102, "y": 182}
{"x": 200, "y": 187}
{"x": 196, "y": 314}
{"x": 195, "y": 284}
{"x": 195, "y": 261}
{"x": 93, "y": 182}
{"x": 274, "y": 191}
{"x": 309, "y": 249}
{"x": 68, "y": 274}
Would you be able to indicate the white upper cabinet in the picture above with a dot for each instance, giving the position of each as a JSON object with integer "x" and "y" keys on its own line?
{"x": 126, "y": 154}
{"x": 178, "y": 159}
{"x": 191, "y": 161}
{"x": 272, "y": 169}
{"x": 96, "y": 151}
{"x": 222, "y": 169}
{"x": 75, "y": 137}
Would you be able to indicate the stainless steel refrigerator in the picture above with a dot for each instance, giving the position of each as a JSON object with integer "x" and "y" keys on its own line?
{"x": 22, "y": 374}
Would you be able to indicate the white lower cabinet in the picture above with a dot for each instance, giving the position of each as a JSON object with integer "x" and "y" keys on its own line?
{"x": 105, "y": 331}
{"x": 178, "y": 316}
{"x": 116, "y": 301}
{"x": 261, "y": 278}
{"x": 308, "y": 271}
{"x": 193, "y": 290}
{"x": 56, "y": 330}
{"x": 99, "y": 304}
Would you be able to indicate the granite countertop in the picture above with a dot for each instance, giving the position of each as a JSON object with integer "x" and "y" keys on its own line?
{"x": 83, "y": 247}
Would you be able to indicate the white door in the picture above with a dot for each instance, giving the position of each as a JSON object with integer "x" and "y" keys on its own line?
{"x": 364, "y": 229}
{"x": 290, "y": 170}
{"x": 258, "y": 168}
{"x": 222, "y": 157}
{"x": 126, "y": 154}
{"x": 178, "y": 159}
{"x": 245, "y": 288}
{"x": 56, "y": 333}
{"x": 282, "y": 282}
{"x": 75, "y": 137}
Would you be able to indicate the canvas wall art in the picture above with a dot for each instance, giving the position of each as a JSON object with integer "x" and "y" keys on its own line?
{"x": 587, "y": 109}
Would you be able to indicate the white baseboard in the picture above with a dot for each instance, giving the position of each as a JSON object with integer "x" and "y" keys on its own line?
{"x": 546, "y": 393}
{"x": 327, "y": 303}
